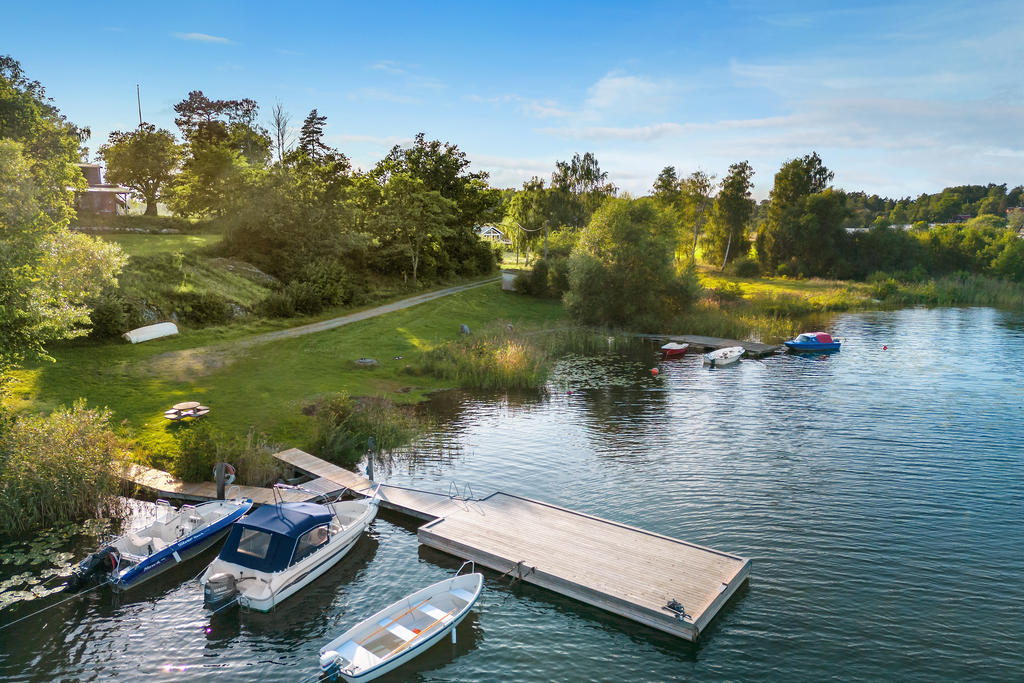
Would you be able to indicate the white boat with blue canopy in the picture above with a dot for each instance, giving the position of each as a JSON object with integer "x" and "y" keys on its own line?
{"x": 402, "y": 630}
{"x": 174, "y": 536}
{"x": 278, "y": 549}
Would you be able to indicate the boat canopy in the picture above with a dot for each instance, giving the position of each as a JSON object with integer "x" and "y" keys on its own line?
{"x": 812, "y": 337}
{"x": 265, "y": 539}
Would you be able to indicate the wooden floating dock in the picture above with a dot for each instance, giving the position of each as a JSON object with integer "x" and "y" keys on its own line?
{"x": 622, "y": 569}
{"x": 619, "y": 568}
{"x": 163, "y": 485}
{"x": 754, "y": 349}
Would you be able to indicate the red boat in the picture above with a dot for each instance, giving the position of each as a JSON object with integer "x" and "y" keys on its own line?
{"x": 674, "y": 350}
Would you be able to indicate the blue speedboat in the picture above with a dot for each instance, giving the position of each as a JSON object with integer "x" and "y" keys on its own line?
{"x": 173, "y": 537}
{"x": 817, "y": 342}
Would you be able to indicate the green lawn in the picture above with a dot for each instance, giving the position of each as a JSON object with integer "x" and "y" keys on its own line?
{"x": 142, "y": 244}
{"x": 264, "y": 385}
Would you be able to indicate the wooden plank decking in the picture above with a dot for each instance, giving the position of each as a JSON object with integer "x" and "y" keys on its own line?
{"x": 625, "y": 570}
{"x": 164, "y": 485}
{"x": 756, "y": 349}
{"x": 619, "y": 568}
{"x": 423, "y": 505}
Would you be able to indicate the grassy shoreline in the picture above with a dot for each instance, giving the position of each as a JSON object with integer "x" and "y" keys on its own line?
{"x": 274, "y": 388}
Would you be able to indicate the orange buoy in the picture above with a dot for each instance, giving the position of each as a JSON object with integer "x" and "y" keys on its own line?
{"x": 654, "y": 371}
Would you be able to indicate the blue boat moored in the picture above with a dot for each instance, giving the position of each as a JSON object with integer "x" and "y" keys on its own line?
{"x": 173, "y": 537}
{"x": 813, "y": 342}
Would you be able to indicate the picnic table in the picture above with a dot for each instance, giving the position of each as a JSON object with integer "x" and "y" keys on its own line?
{"x": 179, "y": 411}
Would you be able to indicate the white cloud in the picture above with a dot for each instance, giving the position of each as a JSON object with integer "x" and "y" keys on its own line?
{"x": 618, "y": 92}
{"x": 390, "y": 67}
{"x": 202, "y": 38}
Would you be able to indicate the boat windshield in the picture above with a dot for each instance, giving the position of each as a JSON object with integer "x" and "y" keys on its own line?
{"x": 254, "y": 543}
{"x": 309, "y": 542}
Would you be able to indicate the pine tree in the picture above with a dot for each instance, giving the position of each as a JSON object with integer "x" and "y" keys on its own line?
{"x": 311, "y": 136}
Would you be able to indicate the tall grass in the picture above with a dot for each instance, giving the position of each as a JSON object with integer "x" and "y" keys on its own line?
{"x": 202, "y": 447}
{"x": 502, "y": 359}
{"x": 961, "y": 289}
{"x": 345, "y": 424}
{"x": 56, "y": 469}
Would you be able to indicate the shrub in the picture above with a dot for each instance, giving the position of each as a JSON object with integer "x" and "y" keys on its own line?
{"x": 883, "y": 286}
{"x": 59, "y": 468}
{"x": 198, "y": 452}
{"x": 109, "y": 316}
{"x": 744, "y": 267}
{"x": 539, "y": 278}
{"x": 277, "y": 305}
{"x": 202, "y": 447}
{"x": 522, "y": 282}
{"x": 345, "y": 424}
{"x": 306, "y": 297}
{"x": 202, "y": 308}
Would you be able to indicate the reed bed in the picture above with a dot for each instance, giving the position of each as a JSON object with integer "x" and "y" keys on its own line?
{"x": 202, "y": 447}
{"x": 345, "y": 424}
{"x": 57, "y": 469}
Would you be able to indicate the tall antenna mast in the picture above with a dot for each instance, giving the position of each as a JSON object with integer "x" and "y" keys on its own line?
{"x": 138, "y": 96}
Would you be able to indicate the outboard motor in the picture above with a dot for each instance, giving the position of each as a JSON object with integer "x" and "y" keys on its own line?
{"x": 330, "y": 664}
{"x": 220, "y": 588}
{"x": 95, "y": 569}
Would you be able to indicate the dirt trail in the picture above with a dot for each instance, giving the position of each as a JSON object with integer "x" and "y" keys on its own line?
{"x": 187, "y": 364}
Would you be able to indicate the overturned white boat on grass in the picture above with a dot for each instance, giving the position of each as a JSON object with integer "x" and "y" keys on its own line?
{"x": 726, "y": 356}
{"x": 402, "y": 630}
{"x": 278, "y": 549}
{"x": 173, "y": 537}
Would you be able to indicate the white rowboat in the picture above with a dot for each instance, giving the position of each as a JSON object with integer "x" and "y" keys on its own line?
{"x": 726, "y": 356}
{"x": 402, "y": 630}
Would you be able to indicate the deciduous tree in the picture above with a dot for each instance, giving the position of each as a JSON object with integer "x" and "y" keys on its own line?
{"x": 726, "y": 234}
{"x": 622, "y": 270}
{"x": 143, "y": 160}
{"x": 412, "y": 216}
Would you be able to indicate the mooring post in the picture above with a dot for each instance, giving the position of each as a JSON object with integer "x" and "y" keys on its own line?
{"x": 369, "y": 459}
{"x": 218, "y": 475}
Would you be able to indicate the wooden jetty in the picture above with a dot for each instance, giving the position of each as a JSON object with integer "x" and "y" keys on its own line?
{"x": 164, "y": 485}
{"x": 662, "y": 582}
{"x": 753, "y": 349}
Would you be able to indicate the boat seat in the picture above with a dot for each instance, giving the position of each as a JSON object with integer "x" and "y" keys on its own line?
{"x": 397, "y": 629}
{"x": 358, "y": 655}
{"x": 463, "y": 595}
{"x": 432, "y": 612}
{"x": 148, "y": 544}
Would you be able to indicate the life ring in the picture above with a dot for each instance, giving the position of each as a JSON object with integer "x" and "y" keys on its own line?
{"x": 229, "y": 474}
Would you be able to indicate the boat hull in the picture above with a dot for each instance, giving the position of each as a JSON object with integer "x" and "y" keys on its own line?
{"x": 723, "y": 357}
{"x": 460, "y": 586}
{"x": 170, "y": 562}
{"x": 295, "y": 584}
{"x": 263, "y": 590}
{"x": 674, "y": 350}
{"x": 804, "y": 347}
{"x": 168, "y": 555}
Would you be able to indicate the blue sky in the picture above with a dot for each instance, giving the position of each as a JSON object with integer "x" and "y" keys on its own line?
{"x": 898, "y": 99}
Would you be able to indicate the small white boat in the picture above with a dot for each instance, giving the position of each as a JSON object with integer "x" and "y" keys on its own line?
{"x": 149, "y": 332}
{"x": 726, "y": 356}
{"x": 278, "y": 549}
{"x": 674, "y": 349}
{"x": 173, "y": 537}
{"x": 402, "y": 630}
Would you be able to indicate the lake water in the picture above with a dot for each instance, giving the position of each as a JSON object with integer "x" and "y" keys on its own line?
{"x": 879, "y": 494}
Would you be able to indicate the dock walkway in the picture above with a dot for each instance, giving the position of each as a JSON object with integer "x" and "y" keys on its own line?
{"x": 755, "y": 349}
{"x": 164, "y": 485}
{"x": 619, "y": 568}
